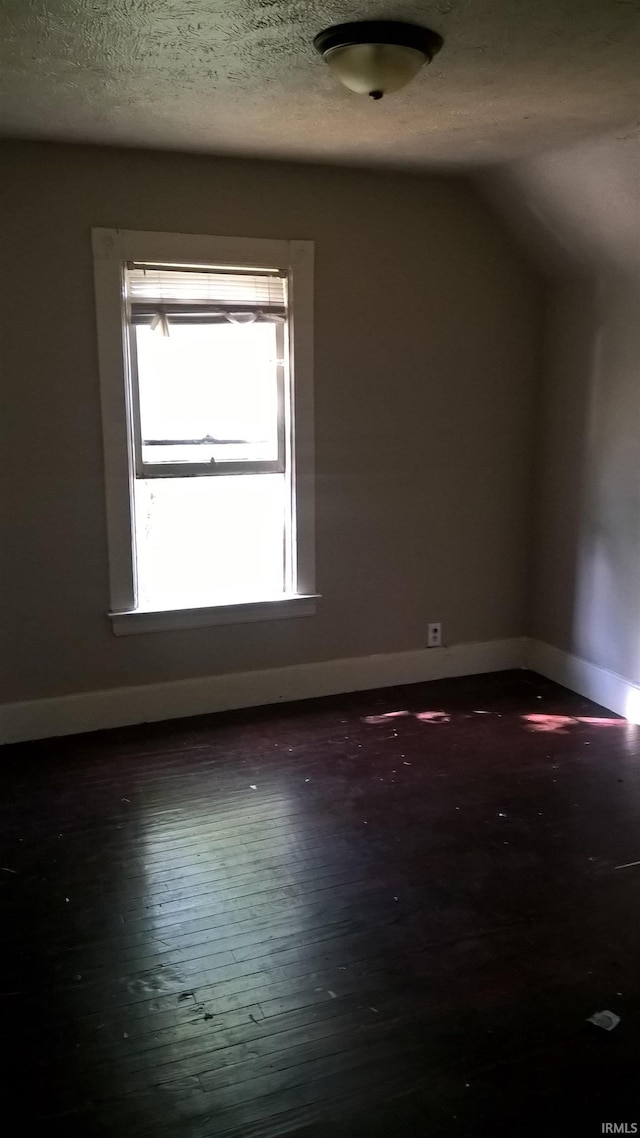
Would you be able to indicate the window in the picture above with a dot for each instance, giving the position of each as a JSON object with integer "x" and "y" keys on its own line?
{"x": 205, "y": 351}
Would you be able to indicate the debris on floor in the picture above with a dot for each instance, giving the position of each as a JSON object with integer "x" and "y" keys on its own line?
{"x": 605, "y": 1019}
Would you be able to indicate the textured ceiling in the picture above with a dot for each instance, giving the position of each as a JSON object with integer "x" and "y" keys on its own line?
{"x": 515, "y": 77}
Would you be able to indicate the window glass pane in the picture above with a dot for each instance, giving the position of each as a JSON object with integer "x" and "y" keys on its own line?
{"x": 204, "y": 541}
{"x": 208, "y": 391}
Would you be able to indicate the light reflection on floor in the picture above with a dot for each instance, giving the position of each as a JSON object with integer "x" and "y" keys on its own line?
{"x": 230, "y": 859}
{"x": 534, "y": 721}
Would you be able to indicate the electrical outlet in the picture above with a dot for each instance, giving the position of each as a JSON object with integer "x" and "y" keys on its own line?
{"x": 434, "y": 636}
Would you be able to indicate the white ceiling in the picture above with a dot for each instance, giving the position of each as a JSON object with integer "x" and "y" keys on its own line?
{"x": 514, "y": 78}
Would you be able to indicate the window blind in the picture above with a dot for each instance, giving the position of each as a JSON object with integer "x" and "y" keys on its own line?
{"x": 157, "y": 289}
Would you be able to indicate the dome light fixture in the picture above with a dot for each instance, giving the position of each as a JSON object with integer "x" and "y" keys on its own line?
{"x": 374, "y": 57}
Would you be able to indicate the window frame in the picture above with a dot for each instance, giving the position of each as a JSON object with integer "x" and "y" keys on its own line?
{"x": 112, "y": 250}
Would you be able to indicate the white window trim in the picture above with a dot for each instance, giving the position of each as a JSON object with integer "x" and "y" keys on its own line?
{"x": 112, "y": 248}
{"x": 164, "y": 620}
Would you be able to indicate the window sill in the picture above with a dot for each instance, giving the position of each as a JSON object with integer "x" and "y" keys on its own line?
{"x": 164, "y": 620}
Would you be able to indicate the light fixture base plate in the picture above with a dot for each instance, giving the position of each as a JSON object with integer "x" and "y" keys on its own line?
{"x": 382, "y": 32}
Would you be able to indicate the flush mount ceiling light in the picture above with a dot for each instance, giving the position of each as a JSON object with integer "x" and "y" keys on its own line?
{"x": 374, "y": 57}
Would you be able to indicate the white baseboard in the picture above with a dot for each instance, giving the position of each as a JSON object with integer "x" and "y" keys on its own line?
{"x": 607, "y": 688}
{"x": 119, "y": 707}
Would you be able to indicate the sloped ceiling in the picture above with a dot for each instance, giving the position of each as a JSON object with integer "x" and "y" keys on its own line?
{"x": 576, "y": 210}
{"x": 514, "y": 78}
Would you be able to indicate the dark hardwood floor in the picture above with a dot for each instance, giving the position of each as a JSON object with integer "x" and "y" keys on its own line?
{"x": 384, "y": 914}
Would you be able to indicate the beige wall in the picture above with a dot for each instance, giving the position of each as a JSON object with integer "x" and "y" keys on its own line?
{"x": 426, "y": 342}
{"x": 578, "y": 211}
{"x": 587, "y": 555}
